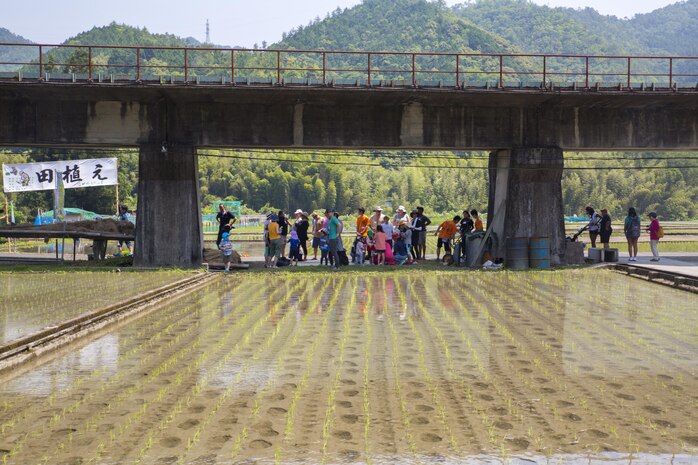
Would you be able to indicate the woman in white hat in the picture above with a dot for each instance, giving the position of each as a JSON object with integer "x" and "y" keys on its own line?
{"x": 376, "y": 218}
{"x": 400, "y": 216}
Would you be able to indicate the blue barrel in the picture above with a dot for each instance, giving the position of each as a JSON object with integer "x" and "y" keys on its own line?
{"x": 539, "y": 252}
{"x": 517, "y": 253}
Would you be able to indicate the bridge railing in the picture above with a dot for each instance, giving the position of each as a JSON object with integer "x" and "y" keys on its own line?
{"x": 203, "y": 65}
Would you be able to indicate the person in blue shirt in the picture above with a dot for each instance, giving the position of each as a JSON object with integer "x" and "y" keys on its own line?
{"x": 333, "y": 225}
{"x": 324, "y": 244}
{"x": 226, "y": 248}
{"x": 295, "y": 246}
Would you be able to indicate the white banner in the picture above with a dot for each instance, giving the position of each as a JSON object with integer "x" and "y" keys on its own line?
{"x": 23, "y": 177}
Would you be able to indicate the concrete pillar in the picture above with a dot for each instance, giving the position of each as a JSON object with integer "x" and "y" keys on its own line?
{"x": 526, "y": 197}
{"x": 168, "y": 226}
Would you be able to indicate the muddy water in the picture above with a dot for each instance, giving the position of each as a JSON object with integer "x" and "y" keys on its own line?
{"x": 32, "y": 301}
{"x": 564, "y": 367}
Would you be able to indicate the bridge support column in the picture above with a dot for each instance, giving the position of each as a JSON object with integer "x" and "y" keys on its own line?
{"x": 168, "y": 227}
{"x": 525, "y": 197}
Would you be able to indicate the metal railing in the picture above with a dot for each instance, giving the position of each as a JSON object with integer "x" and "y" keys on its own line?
{"x": 187, "y": 65}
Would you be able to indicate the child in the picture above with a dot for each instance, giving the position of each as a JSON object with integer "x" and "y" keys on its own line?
{"x": 324, "y": 244}
{"x": 388, "y": 230}
{"x": 380, "y": 241}
{"x": 655, "y": 235}
{"x": 226, "y": 248}
{"x": 295, "y": 244}
{"x": 360, "y": 250}
{"x": 446, "y": 232}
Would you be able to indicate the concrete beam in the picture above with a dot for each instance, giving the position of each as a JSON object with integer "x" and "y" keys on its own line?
{"x": 168, "y": 230}
{"x": 422, "y": 119}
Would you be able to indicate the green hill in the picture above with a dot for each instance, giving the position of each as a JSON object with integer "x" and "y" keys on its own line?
{"x": 14, "y": 54}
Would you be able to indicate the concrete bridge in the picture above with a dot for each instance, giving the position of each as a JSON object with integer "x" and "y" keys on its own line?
{"x": 527, "y": 129}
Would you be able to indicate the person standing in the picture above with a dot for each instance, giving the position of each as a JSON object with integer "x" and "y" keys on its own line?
{"x": 123, "y": 216}
{"x": 605, "y": 229}
{"x": 380, "y": 244}
{"x": 594, "y": 225}
{"x": 226, "y": 248}
{"x": 275, "y": 240}
{"x": 388, "y": 230}
{"x": 376, "y": 219}
{"x": 400, "y": 215}
{"x": 425, "y": 222}
{"x": 283, "y": 229}
{"x": 654, "y": 230}
{"x": 466, "y": 227}
{"x": 416, "y": 227}
{"x": 477, "y": 222}
{"x": 362, "y": 223}
{"x": 333, "y": 226}
{"x": 632, "y": 229}
{"x": 301, "y": 226}
{"x": 225, "y": 220}
{"x": 317, "y": 228}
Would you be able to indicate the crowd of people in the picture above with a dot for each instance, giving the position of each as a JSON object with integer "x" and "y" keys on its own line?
{"x": 600, "y": 227}
{"x": 380, "y": 239}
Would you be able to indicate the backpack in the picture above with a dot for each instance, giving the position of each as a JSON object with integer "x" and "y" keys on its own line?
{"x": 634, "y": 227}
{"x": 660, "y": 232}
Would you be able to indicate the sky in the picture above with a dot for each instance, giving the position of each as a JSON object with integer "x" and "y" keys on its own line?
{"x": 232, "y": 22}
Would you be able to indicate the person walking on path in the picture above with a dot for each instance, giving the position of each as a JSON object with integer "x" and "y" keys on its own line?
{"x": 333, "y": 226}
{"x": 605, "y": 229}
{"x": 656, "y": 233}
{"x": 594, "y": 225}
{"x": 632, "y": 228}
{"x": 225, "y": 220}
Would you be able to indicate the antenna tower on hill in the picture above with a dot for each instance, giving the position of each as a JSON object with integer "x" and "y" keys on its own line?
{"x": 208, "y": 33}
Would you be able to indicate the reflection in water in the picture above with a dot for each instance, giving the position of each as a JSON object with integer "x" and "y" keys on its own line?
{"x": 556, "y": 367}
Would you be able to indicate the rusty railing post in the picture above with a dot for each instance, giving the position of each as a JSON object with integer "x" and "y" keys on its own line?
{"x": 369, "y": 70}
{"x": 232, "y": 66}
{"x": 414, "y": 70}
{"x": 186, "y": 66}
{"x": 89, "y": 64}
{"x": 278, "y": 67}
{"x": 324, "y": 68}
{"x": 41, "y": 63}
{"x": 628, "y": 73}
{"x": 501, "y": 71}
{"x": 138, "y": 64}
{"x": 671, "y": 73}
{"x": 457, "y": 71}
{"x": 545, "y": 71}
{"x": 586, "y": 73}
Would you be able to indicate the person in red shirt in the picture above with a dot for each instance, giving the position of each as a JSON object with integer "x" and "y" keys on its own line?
{"x": 446, "y": 231}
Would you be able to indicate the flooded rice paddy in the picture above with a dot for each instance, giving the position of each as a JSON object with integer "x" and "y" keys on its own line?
{"x": 32, "y": 301}
{"x": 557, "y": 367}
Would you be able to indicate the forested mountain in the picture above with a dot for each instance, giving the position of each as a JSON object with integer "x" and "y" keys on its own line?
{"x": 454, "y": 181}
{"x": 672, "y": 30}
{"x": 402, "y": 25}
{"x": 14, "y": 54}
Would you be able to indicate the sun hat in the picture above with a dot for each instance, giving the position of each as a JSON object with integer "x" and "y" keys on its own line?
{"x": 652, "y": 215}
{"x": 305, "y": 215}
{"x": 401, "y": 209}
{"x": 378, "y": 209}
{"x": 298, "y": 212}
{"x": 225, "y": 235}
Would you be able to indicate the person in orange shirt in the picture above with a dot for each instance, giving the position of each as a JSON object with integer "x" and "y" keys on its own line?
{"x": 362, "y": 223}
{"x": 446, "y": 231}
{"x": 477, "y": 221}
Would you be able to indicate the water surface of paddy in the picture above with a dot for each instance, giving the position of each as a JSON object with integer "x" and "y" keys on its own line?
{"x": 556, "y": 367}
